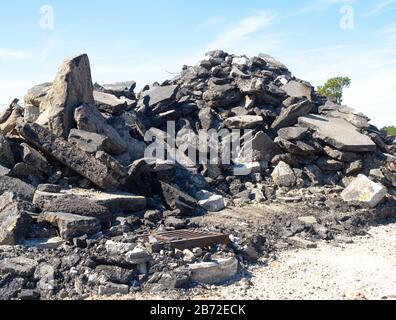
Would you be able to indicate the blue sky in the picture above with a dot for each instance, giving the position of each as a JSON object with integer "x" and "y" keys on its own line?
{"x": 148, "y": 41}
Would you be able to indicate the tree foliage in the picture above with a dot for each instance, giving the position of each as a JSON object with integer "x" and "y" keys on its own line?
{"x": 333, "y": 88}
{"x": 390, "y": 131}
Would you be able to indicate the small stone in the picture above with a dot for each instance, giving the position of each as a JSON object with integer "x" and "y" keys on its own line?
{"x": 283, "y": 175}
{"x": 197, "y": 252}
{"x": 176, "y": 223}
{"x": 214, "y": 272}
{"x": 308, "y": 220}
{"x": 119, "y": 248}
{"x": 210, "y": 201}
{"x": 138, "y": 255}
{"x": 188, "y": 256}
{"x": 302, "y": 243}
{"x": 354, "y": 167}
{"x": 153, "y": 215}
{"x": 365, "y": 191}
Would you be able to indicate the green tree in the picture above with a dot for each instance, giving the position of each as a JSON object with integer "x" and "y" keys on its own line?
{"x": 390, "y": 131}
{"x": 333, "y": 88}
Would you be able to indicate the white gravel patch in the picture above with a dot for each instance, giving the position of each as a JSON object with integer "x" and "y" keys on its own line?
{"x": 365, "y": 269}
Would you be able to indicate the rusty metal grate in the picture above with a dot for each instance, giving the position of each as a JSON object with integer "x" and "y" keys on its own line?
{"x": 185, "y": 239}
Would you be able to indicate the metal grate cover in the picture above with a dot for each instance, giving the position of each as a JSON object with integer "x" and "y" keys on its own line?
{"x": 185, "y": 239}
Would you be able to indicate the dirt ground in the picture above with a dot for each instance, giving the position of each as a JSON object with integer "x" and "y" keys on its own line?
{"x": 364, "y": 269}
{"x": 361, "y": 267}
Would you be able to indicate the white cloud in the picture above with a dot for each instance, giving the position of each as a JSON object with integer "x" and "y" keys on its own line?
{"x": 389, "y": 31}
{"x": 211, "y": 22}
{"x": 12, "y": 54}
{"x": 9, "y": 90}
{"x": 378, "y": 8}
{"x": 233, "y": 35}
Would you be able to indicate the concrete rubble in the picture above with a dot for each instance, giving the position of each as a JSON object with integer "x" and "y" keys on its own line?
{"x": 81, "y": 181}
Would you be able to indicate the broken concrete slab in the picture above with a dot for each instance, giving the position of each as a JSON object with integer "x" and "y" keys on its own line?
{"x": 15, "y": 118}
{"x": 298, "y": 147}
{"x": 19, "y": 267}
{"x": 71, "y": 225}
{"x": 88, "y": 118}
{"x": 273, "y": 63}
{"x": 109, "y": 103}
{"x": 290, "y": 115}
{"x": 70, "y": 156}
{"x": 115, "y": 202}
{"x": 343, "y": 156}
{"x": 338, "y": 133}
{"x": 6, "y": 155}
{"x": 37, "y": 94}
{"x": 363, "y": 190}
{"x": 262, "y": 147}
{"x": 22, "y": 189}
{"x": 222, "y": 95}
{"x": 361, "y": 122}
{"x": 71, "y": 88}
{"x": 215, "y": 272}
{"x": 70, "y": 203}
{"x": 159, "y": 94}
{"x": 349, "y": 114}
{"x": 243, "y": 122}
{"x": 89, "y": 141}
{"x": 292, "y": 133}
{"x": 298, "y": 89}
{"x": 177, "y": 199}
{"x": 31, "y": 113}
{"x": 119, "y": 89}
{"x": 35, "y": 159}
{"x": 14, "y": 219}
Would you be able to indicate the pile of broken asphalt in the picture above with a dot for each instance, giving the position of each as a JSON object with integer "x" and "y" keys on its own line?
{"x": 83, "y": 212}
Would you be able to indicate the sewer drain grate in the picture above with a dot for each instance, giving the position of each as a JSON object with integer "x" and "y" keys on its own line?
{"x": 184, "y": 239}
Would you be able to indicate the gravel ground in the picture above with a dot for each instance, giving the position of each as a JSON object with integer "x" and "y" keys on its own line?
{"x": 364, "y": 269}
{"x": 357, "y": 269}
